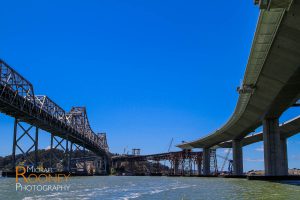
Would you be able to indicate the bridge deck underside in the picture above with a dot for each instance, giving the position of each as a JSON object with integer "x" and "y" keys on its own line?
{"x": 287, "y": 130}
{"x": 278, "y": 81}
{"x": 162, "y": 156}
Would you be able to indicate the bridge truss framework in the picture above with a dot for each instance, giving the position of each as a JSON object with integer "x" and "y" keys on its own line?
{"x": 17, "y": 99}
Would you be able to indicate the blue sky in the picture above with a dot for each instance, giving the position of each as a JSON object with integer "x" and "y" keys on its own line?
{"x": 147, "y": 71}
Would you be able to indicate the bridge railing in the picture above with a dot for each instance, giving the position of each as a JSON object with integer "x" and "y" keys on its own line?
{"x": 13, "y": 81}
{"x": 78, "y": 117}
{"x": 46, "y": 104}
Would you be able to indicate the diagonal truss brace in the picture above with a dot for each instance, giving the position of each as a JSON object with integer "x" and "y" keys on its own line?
{"x": 79, "y": 165}
{"x": 25, "y": 132}
{"x": 56, "y": 143}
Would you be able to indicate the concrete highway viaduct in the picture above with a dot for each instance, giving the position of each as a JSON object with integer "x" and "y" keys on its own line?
{"x": 270, "y": 86}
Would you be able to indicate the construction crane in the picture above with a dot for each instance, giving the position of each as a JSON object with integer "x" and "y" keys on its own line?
{"x": 170, "y": 145}
{"x": 226, "y": 159}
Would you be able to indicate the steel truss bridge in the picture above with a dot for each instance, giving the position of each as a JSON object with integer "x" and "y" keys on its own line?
{"x": 67, "y": 129}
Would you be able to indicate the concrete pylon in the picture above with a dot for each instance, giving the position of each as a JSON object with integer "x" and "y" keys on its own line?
{"x": 272, "y": 148}
{"x": 206, "y": 161}
{"x": 199, "y": 166}
{"x": 284, "y": 159}
{"x": 176, "y": 167}
{"x": 237, "y": 150}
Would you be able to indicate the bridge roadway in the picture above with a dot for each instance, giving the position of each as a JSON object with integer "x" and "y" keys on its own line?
{"x": 270, "y": 86}
{"x": 17, "y": 99}
{"x": 287, "y": 129}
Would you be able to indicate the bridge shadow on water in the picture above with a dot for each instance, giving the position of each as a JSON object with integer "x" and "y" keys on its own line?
{"x": 289, "y": 182}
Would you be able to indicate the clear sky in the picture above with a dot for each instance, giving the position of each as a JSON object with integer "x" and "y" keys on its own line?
{"x": 147, "y": 70}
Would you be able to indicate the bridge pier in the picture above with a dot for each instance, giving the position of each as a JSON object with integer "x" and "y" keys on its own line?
{"x": 176, "y": 167}
{"x": 84, "y": 155}
{"x": 285, "y": 168}
{"x": 273, "y": 148}
{"x": 98, "y": 163}
{"x": 106, "y": 164}
{"x": 78, "y": 154}
{"x": 237, "y": 151}
{"x": 206, "y": 161}
{"x": 55, "y": 144}
{"x": 199, "y": 165}
{"x": 16, "y": 143}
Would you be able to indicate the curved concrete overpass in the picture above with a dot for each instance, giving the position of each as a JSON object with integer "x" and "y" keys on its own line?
{"x": 272, "y": 78}
{"x": 287, "y": 129}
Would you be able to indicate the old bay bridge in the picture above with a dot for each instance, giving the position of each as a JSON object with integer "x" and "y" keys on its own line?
{"x": 70, "y": 131}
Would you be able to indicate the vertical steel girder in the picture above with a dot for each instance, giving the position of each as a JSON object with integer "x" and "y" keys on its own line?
{"x": 17, "y": 137}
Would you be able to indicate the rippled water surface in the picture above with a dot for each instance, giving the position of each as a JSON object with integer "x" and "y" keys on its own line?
{"x": 182, "y": 188}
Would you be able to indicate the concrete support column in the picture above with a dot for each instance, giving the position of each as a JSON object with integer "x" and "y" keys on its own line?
{"x": 176, "y": 166}
{"x": 206, "y": 161}
{"x": 285, "y": 168}
{"x": 272, "y": 147}
{"x": 199, "y": 165}
{"x": 237, "y": 150}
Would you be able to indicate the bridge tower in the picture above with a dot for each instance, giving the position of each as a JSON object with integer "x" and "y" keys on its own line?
{"x": 21, "y": 132}
{"x": 79, "y": 154}
{"x": 58, "y": 161}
